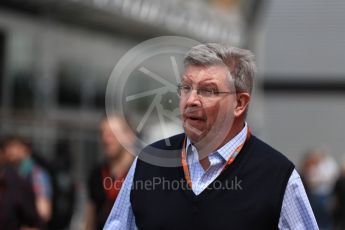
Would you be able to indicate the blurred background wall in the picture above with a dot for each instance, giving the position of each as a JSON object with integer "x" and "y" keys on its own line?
{"x": 56, "y": 58}
{"x": 301, "y": 52}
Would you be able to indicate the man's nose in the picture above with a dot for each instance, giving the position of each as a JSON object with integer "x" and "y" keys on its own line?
{"x": 193, "y": 98}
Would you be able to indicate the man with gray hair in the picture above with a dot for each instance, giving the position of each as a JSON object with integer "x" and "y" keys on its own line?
{"x": 227, "y": 178}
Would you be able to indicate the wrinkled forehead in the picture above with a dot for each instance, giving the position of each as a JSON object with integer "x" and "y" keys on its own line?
{"x": 213, "y": 73}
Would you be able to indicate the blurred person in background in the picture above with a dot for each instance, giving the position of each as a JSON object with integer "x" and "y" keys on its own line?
{"x": 106, "y": 179}
{"x": 18, "y": 153}
{"x": 339, "y": 195}
{"x": 17, "y": 200}
{"x": 319, "y": 172}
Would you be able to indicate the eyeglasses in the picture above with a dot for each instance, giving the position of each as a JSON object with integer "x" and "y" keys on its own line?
{"x": 206, "y": 92}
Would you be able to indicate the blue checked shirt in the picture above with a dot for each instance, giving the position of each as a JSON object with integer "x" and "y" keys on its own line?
{"x": 296, "y": 212}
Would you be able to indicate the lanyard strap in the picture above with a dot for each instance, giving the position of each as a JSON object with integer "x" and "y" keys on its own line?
{"x": 229, "y": 162}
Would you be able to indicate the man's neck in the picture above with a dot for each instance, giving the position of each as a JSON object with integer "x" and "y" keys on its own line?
{"x": 209, "y": 144}
{"x": 233, "y": 132}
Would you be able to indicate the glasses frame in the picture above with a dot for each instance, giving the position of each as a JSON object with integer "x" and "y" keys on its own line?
{"x": 200, "y": 92}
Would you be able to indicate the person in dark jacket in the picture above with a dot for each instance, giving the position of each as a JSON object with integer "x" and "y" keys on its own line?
{"x": 105, "y": 180}
{"x": 17, "y": 201}
{"x": 18, "y": 153}
{"x": 339, "y": 195}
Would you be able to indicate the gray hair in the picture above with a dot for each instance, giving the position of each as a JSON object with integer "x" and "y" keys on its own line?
{"x": 240, "y": 62}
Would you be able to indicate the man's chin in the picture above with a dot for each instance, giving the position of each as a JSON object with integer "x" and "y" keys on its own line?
{"x": 194, "y": 135}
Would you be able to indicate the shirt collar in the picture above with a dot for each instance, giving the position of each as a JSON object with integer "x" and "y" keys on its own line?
{"x": 226, "y": 150}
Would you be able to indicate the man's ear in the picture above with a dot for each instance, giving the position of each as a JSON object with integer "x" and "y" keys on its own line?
{"x": 242, "y": 104}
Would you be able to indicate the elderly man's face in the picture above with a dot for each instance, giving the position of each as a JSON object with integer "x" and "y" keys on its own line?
{"x": 207, "y": 116}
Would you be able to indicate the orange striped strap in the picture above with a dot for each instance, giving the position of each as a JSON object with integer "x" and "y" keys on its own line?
{"x": 231, "y": 159}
